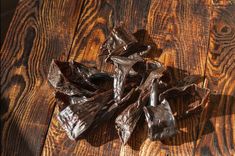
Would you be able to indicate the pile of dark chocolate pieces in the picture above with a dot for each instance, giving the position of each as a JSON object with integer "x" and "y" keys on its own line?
{"x": 138, "y": 87}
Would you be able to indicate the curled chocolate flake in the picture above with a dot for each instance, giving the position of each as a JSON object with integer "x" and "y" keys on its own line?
{"x": 160, "y": 120}
{"x": 123, "y": 66}
{"x": 156, "y": 73}
{"x": 159, "y": 117}
{"x": 77, "y": 118}
{"x": 200, "y": 96}
{"x": 121, "y": 43}
{"x": 71, "y": 78}
{"x": 127, "y": 120}
{"x": 118, "y": 42}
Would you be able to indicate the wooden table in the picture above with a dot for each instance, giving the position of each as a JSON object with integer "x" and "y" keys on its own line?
{"x": 194, "y": 37}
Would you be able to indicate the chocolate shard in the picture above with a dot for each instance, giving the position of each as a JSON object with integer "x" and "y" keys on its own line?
{"x": 123, "y": 66}
{"x": 77, "y": 118}
{"x": 127, "y": 120}
{"x": 117, "y": 42}
{"x": 159, "y": 117}
{"x": 200, "y": 96}
{"x": 71, "y": 78}
{"x": 121, "y": 42}
{"x": 111, "y": 108}
{"x": 160, "y": 120}
{"x": 156, "y": 72}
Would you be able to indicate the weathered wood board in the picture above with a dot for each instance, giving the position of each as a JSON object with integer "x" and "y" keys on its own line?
{"x": 194, "y": 37}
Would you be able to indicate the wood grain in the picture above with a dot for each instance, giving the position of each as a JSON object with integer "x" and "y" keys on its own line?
{"x": 39, "y": 32}
{"x": 181, "y": 29}
{"x": 6, "y": 14}
{"x": 197, "y": 37}
{"x": 220, "y": 114}
{"x": 97, "y": 18}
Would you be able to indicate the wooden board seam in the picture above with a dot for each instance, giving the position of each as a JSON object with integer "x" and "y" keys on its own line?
{"x": 67, "y": 57}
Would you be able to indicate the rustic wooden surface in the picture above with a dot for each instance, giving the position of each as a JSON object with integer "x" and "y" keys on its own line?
{"x": 194, "y": 37}
{"x": 6, "y": 14}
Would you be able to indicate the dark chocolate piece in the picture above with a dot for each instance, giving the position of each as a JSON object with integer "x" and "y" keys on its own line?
{"x": 77, "y": 118}
{"x": 159, "y": 117}
{"x": 118, "y": 41}
{"x": 71, "y": 78}
{"x": 123, "y": 66}
{"x": 200, "y": 96}
{"x": 155, "y": 74}
{"x": 121, "y": 42}
{"x": 160, "y": 120}
{"x": 127, "y": 120}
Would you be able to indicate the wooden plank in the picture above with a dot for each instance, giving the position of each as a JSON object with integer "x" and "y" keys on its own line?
{"x": 39, "y": 32}
{"x": 220, "y": 114}
{"x": 181, "y": 29}
{"x": 6, "y": 14}
{"x": 97, "y": 18}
